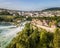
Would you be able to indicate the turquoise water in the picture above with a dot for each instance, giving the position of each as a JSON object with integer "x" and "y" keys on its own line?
{"x": 8, "y": 32}
{"x": 4, "y": 37}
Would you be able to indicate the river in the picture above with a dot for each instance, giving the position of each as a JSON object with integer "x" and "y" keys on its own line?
{"x": 7, "y": 33}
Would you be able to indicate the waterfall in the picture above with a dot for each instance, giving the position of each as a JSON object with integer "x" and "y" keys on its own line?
{"x": 7, "y": 33}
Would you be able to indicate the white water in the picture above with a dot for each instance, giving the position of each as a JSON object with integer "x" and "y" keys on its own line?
{"x": 7, "y": 33}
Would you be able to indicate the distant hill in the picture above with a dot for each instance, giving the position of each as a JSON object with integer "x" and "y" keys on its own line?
{"x": 51, "y": 9}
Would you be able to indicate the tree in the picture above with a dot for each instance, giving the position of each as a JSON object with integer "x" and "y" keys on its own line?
{"x": 57, "y": 39}
{"x": 46, "y": 39}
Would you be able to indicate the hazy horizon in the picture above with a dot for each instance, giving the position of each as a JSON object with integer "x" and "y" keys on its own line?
{"x": 28, "y": 5}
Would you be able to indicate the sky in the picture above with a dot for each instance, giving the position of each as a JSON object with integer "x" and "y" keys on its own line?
{"x": 29, "y": 4}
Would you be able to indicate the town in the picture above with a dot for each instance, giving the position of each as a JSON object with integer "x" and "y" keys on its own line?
{"x": 42, "y": 13}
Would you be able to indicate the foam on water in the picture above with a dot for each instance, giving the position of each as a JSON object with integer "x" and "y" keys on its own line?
{"x": 7, "y": 33}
